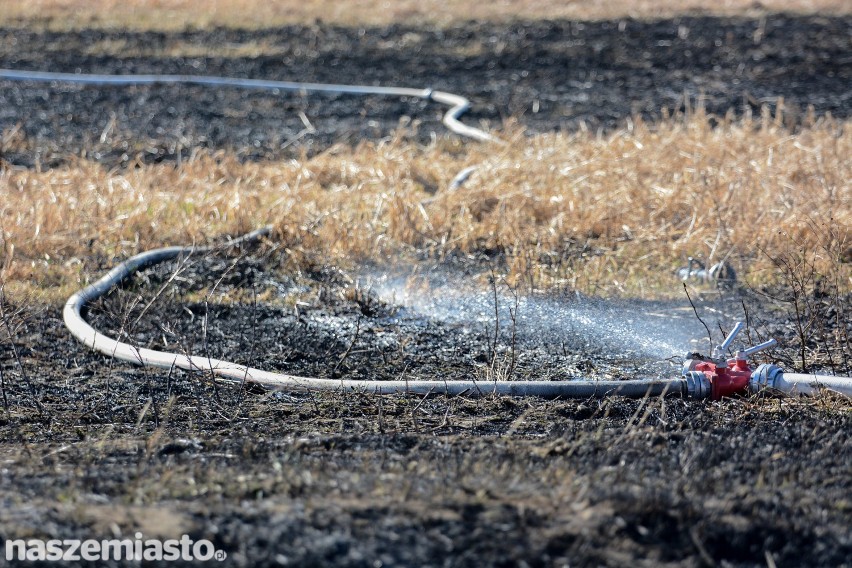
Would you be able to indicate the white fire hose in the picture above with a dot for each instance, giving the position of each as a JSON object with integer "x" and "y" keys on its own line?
{"x": 233, "y": 372}
{"x": 458, "y": 104}
{"x": 691, "y": 385}
{"x": 774, "y": 378}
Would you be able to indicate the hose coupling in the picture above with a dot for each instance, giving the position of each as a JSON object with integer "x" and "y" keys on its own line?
{"x": 764, "y": 377}
{"x": 698, "y": 386}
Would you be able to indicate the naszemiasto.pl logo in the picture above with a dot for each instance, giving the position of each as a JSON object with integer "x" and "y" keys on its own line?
{"x": 92, "y": 550}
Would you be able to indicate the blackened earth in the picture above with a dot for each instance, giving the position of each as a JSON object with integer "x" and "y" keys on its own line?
{"x": 93, "y": 448}
{"x": 547, "y": 75}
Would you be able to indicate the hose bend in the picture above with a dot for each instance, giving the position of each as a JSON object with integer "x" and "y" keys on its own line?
{"x": 236, "y": 373}
{"x": 458, "y": 104}
{"x": 233, "y": 372}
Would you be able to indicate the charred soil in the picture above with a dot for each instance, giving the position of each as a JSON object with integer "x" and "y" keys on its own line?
{"x": 94, "y": 448}
{"x": 547, "y": 75}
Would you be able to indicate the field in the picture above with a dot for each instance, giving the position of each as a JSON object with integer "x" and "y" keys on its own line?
{"x": 630, "y": 137}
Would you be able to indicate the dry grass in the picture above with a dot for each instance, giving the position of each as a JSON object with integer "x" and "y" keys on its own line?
{"x": 178, "y": 14}
{"x": 612, "y": 215}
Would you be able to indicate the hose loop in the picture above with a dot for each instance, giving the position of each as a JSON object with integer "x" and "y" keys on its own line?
{"x": 236, "y": 373}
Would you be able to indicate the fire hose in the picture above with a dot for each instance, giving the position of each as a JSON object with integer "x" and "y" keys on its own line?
{"x": 714, "y": 377}
{"x": 458, "y": 104}
{"x": 233, "y": 372}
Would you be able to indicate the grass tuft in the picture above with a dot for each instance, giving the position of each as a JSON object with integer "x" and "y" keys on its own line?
{"x": 603, "y": 214}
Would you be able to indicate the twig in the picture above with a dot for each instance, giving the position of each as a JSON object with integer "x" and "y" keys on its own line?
{"x": 169, "y": 382}
{"x": 17, "y": 356}
{"x": 178, "y": 269}
{"x": 416, "y": 408}
{"x": 694, "y": 309}
{"x": 153, "y": 399}
{"x": 513, "y": 315}
{"x": 446, "y": 420}
{"x": 349, "y": 348}
{"x": 493, "y": 280}
{"x": 205, "y": 337}
{"x": 253, "y": 343}
{"x": 381, "y": 411}
{"x": 3, "y": 388}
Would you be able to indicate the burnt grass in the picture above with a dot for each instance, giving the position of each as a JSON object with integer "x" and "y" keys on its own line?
{"x": 93, "y": 448}
{"x": 546, "y": 75}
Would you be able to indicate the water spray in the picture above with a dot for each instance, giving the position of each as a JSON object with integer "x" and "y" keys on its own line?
{"x": 703, "y": 377}
{"x": 714, "y": 377}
